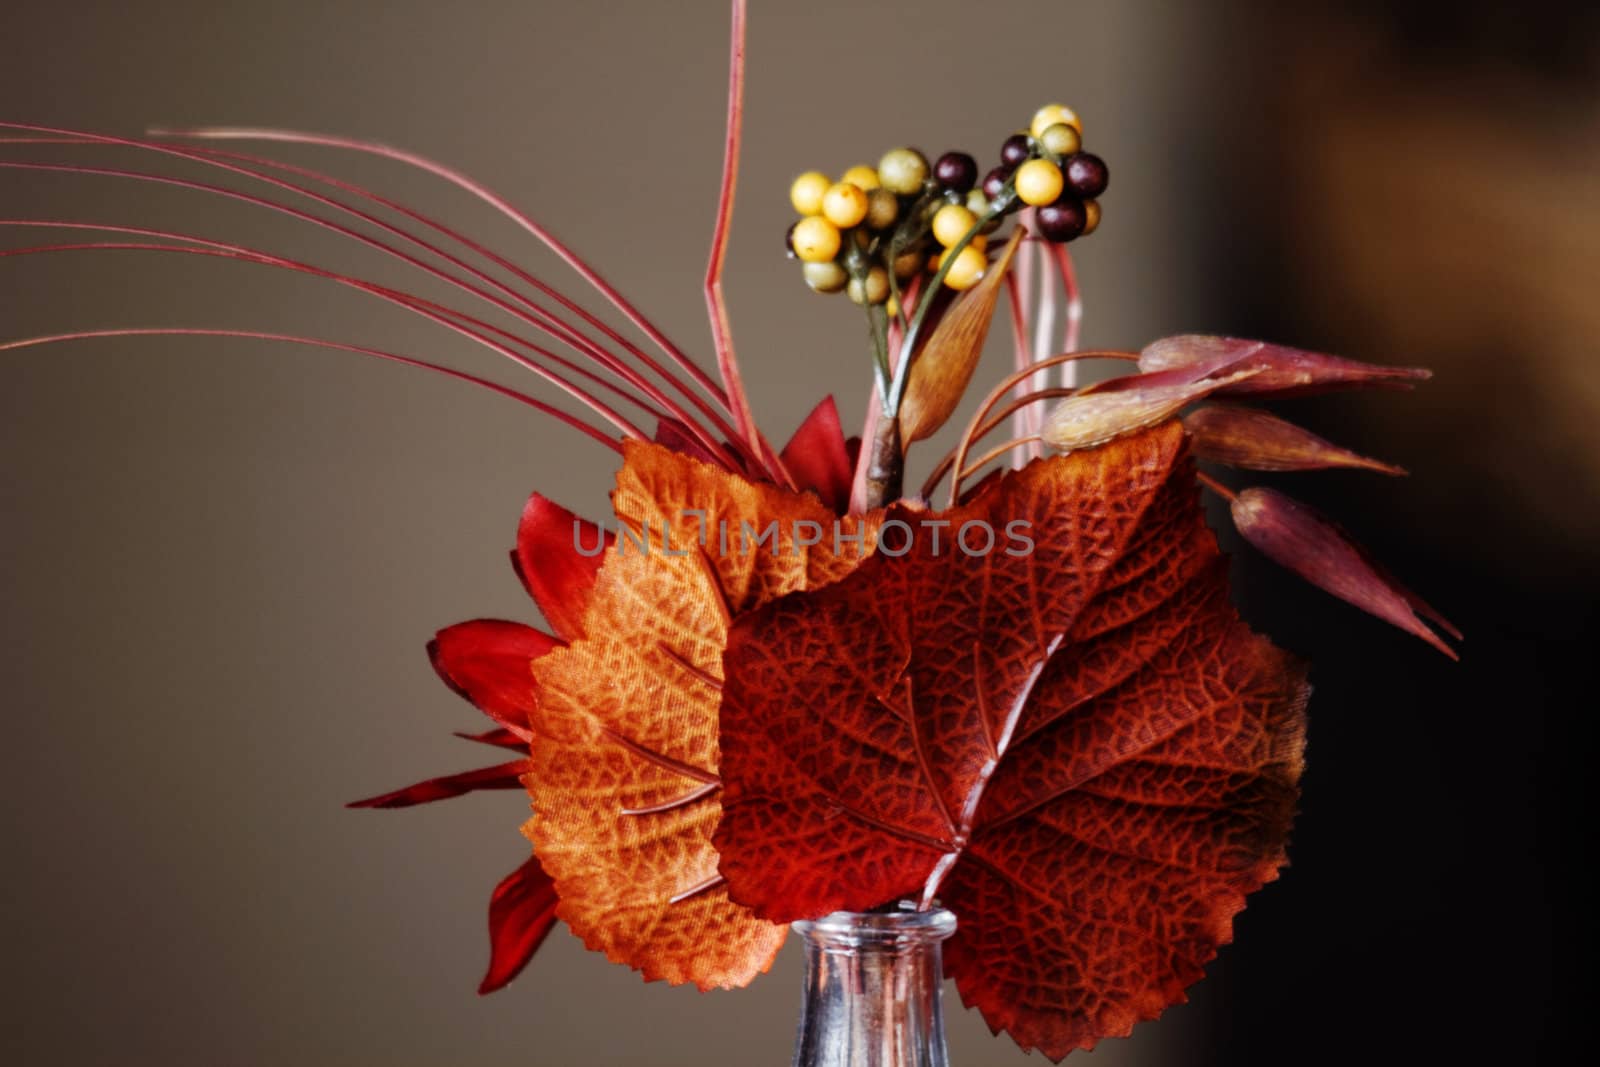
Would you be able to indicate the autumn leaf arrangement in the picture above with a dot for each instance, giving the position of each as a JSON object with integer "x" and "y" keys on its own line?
{"x": 780, "y": 685}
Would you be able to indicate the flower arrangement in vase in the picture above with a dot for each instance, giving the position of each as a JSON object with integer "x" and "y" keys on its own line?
{"x": 779, "y": 685}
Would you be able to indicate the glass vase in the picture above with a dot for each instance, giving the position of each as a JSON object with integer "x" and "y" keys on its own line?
{"x": 872, "y": 989}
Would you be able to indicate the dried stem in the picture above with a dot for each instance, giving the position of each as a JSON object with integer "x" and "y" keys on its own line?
{"x": 315, "y": 342}
{"x": 721, "y": 329}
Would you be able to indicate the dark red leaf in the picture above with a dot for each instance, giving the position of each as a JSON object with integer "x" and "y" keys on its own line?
{"x": 818, "y": 458}
{"x": 1284, "y": 371}
{"x": 1299, "y": 538}
{"x": 557, "y": 557}
{"x": 522, "y": 912}
{"x": 489, "y": 663}
{"x": 1240, "y": 436}
{"x": 1079, "y": 748}
{"x": 500, "y": 776}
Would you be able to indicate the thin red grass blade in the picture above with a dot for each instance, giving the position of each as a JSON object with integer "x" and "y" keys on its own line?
{"x": 721, "y": 329}
{"x": 414, "y": 304}
{"x": 315, "y": 342}
{"x": 475, "y": 189}
{"x": 501, "y": 776}
{"x": 536, "y": 314}
{"x": 499, "y": 737}
{"x": 269, "y": 259}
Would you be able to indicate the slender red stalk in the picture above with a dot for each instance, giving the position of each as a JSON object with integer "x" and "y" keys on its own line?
{"x": 269, "y": 259}
{"x": 1026, "y": 400}
{"x": 1010, "y": 382}
{"x": 315, "y": 342}
{"x": 536, "y": 315}
{"x": 475, "y": 189}
{"x": 977, "y": 464}
{"x": 721, "y": 329}
{"x": 565, "y": 334}
{"x": 1225, "y": 493}
{"x": 415, "y": 304}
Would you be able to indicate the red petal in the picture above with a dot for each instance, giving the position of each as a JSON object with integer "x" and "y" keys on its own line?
{"x": 521, "y": 912}
{"x": 500, "y": 776}
{"x": 1297, "y": 537}
{"x": 488, "y": 662}
{"x": 500, "y": 737}
{"x": 557, "y": 557}
{"x": 819, "y": 459}
{"x": 1284, "y": 371}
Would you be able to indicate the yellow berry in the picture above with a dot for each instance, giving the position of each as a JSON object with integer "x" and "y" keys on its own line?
{"x": 1051, "y": 114}
{"x": 862, "y": 177}
{"x": 1039, "y": 182}
{"x": 977, "y": 203}
{"x": 951, "y": 223}
{"x": 882, "y": 209}
{"x": 806, "y": 192}
{"x": 902, "y": 171}
{"x": 816, "y": 240}
{"x": 1091, "y": 217}
{"x": 966, "y": 269}
{"x": 1060, "y": 140}
{"x": 826, "y": 277}
{"x": 844, "y": 205}
{"x": 892, "y": 307}
{"x": 871, "y": 289}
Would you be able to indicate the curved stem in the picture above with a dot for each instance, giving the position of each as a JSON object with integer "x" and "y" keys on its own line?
{"x": 409, "y": 299}
{"x": 546, "y": 322}
{"x": 721, "y": 328}
{"x": 259, "y": 335}
{"x": 1011, "y": 380}
{"x": 1216, "y": 487}
{"x": 415, "y": 304}
{"x": 1020, "y": 403}
{"x": 994, "y": 453}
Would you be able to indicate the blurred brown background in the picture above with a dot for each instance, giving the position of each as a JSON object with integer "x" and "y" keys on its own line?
{"x": 220, "y": 561}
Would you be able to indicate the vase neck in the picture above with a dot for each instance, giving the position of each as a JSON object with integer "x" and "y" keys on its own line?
{"x": 872, "y": 990}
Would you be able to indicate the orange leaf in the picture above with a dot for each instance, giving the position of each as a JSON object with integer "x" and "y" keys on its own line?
{"x": 625, "y": 780}
{"x": 938, "y": 378}
{"x": 1079, "y": 749}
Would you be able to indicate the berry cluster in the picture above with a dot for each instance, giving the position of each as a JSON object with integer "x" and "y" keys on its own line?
{"x": 876, "y": 227}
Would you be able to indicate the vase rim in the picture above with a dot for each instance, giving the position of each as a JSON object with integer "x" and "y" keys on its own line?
{"x": 905, "y": 924}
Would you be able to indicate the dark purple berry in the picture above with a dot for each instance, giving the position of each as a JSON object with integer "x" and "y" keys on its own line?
{"x": 957, "y": 171}
{"x": 1016, "y": 150}
{"x": 994, "y": 183}
{"x": 1062, "y": 220}
{"x": 788, "y": 240}
{"x": 1086, "y": 174}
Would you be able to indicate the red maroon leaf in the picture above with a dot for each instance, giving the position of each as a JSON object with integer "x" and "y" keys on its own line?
{"x": 522, "y": 912}
{"x": 500, "y": 776}
{"x": 818, "y": 458}
{"x": 488, "y": 662}
{"x": 1079, "y": 748}
{"x": 1284, "y": 371}
{"x": 557, "y": 557}
{"x": 1240, "y": 436}
{"x": 1299, "y": 538}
